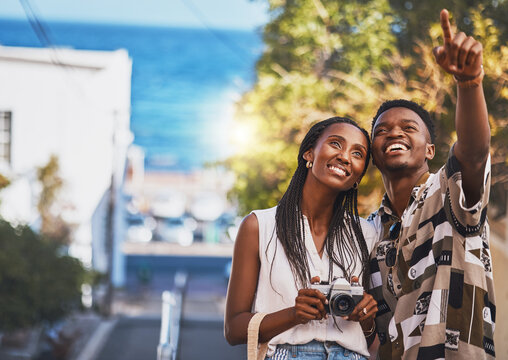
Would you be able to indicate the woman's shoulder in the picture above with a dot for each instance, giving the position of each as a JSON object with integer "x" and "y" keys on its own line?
{"x": 265, "y": 220}
{"x": 263, "y": 214}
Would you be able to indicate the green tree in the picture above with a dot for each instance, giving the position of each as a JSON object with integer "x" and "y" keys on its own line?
{"x": 36, "y": 283}
{"x": 414, "y": 16}
{"x": 328, "y": 57}
{"x": 310, "y": 46}
{"x": 496, "y": 92}
{"x": 483, "y": 21}
{"x": 49, "y": 204}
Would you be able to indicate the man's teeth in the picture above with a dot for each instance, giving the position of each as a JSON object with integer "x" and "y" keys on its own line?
{"x": 338, "y": 170}
{"x": 394, "y": 147}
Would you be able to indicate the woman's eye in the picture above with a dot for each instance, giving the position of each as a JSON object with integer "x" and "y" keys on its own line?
{"x": 336, "y": 143}
{"x": 358, "y": 154}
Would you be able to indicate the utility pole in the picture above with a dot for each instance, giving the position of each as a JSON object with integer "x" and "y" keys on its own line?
{"x": 110, "y": 225}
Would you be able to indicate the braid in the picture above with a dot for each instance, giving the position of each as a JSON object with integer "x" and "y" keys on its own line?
{"x": 346, "y": 236}
{"x": 344, "y": 240}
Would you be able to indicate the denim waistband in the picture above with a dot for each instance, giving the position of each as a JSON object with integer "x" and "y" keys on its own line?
{"x": 317, "y": 347}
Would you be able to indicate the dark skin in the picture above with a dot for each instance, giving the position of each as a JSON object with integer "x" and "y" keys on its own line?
{"x": 461, "y": 56}
{"x": 338, "y": 161}
{"x": 401, "y": 169}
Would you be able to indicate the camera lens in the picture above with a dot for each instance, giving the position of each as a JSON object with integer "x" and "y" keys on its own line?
{"x": 342, "y": 304}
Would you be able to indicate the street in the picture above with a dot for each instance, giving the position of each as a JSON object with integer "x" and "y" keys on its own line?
{"x": 136, "y": 334}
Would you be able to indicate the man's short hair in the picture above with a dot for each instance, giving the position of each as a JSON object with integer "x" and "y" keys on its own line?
{"x": 422, "y": 113}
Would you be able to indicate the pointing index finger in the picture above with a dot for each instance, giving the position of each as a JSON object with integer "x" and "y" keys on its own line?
{"x": 445, "y": 25}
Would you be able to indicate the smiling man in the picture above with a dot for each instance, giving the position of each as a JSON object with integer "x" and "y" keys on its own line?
{"x": 431, "y": 270}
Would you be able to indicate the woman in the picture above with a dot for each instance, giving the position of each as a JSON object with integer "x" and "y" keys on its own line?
{"x": 313, "y": 234}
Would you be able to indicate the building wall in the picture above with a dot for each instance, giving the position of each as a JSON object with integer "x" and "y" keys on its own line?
{"x": 80, "y": 112}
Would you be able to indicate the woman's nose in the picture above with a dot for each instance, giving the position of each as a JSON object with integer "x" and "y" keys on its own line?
{"x": 343, "y": 156}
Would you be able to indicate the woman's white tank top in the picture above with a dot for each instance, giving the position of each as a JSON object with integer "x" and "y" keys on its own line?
{"x": 277, "y": 290}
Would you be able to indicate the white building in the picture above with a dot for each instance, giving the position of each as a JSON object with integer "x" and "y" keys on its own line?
{"x": 75, "y": 105}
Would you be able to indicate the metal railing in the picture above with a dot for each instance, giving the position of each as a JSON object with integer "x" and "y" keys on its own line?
{"x": 170, "y": 319}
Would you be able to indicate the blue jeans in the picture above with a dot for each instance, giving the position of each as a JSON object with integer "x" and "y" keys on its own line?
{"x": 314, "y": 350}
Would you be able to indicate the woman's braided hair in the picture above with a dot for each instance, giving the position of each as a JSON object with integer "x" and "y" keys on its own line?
{"x": 344, "y": 241}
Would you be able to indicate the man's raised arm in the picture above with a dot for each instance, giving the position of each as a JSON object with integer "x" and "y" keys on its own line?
{"x": 462, "y": 56}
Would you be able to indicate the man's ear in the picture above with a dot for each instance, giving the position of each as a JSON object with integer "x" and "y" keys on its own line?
{"x": 430, "y": 151}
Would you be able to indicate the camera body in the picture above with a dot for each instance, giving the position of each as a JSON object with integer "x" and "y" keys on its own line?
{"x": 342, "y": 296}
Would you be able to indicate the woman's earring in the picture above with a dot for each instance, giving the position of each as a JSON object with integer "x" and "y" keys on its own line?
{"x": 309, "y": 164}
{"x": 355, "y": 185}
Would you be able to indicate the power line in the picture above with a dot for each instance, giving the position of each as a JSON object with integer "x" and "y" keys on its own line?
{"x": 38, "y": 27}
{"x": 40, "y": 31}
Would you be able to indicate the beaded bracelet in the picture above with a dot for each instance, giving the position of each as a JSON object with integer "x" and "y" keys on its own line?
{"x": 471, "y": 83}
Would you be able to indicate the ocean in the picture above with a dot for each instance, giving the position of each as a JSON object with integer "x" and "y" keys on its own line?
{"x": 185, "y": 82}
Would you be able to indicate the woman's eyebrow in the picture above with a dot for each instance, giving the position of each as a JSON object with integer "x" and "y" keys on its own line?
{"x": 336, "y": 136}
{"x": 361, "y": 146}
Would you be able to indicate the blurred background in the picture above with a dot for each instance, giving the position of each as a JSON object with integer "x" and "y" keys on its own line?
{"x": 135, "y": 136}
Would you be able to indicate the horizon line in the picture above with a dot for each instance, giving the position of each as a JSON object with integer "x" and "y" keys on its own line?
{"x": 256, "y": 28}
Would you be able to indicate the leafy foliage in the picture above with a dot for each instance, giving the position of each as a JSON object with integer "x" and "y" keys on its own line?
{"x": 36, "y": 283}
{"x": 413, "y": 17}
{"x": 326, "y": 58}
{"x": 52, "y": 224}
{"x": 4, "y": 182}
{"x": 310, "y": 44}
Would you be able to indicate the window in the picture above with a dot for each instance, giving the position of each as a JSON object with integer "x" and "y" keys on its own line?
{"x": 5, "y": 136}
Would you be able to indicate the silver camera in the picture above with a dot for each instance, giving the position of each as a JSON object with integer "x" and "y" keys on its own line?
{"x": 342, "y": 296}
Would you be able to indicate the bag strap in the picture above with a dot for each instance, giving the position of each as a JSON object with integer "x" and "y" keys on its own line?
{"x": 255, "y": 352}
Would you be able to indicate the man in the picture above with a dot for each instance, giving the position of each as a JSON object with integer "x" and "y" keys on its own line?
{"x": 431, "y": 270}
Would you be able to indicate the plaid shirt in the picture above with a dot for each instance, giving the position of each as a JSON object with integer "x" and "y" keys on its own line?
{"x": 437, "y": 300}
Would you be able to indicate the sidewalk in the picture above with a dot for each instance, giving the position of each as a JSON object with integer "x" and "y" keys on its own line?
{"x": 70, "y": 337}
{"x": 138, "y": 310}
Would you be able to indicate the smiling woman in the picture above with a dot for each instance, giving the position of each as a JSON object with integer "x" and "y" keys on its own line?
{"x": 313, "y": 234}
{"x": 341, "y": 151}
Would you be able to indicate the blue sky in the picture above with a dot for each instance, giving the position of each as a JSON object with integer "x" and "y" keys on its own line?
{"x": 237, "y": 14}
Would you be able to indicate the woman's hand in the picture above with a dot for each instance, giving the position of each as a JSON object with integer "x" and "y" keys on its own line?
{"x": 309, "y": 304}
{"x": 365, "y": 311}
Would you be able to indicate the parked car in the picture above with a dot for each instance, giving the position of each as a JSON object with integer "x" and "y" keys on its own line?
{"x": 140, "y": 228}
{"x": 170, "y": 204}
{"x": 176, "y": 230}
